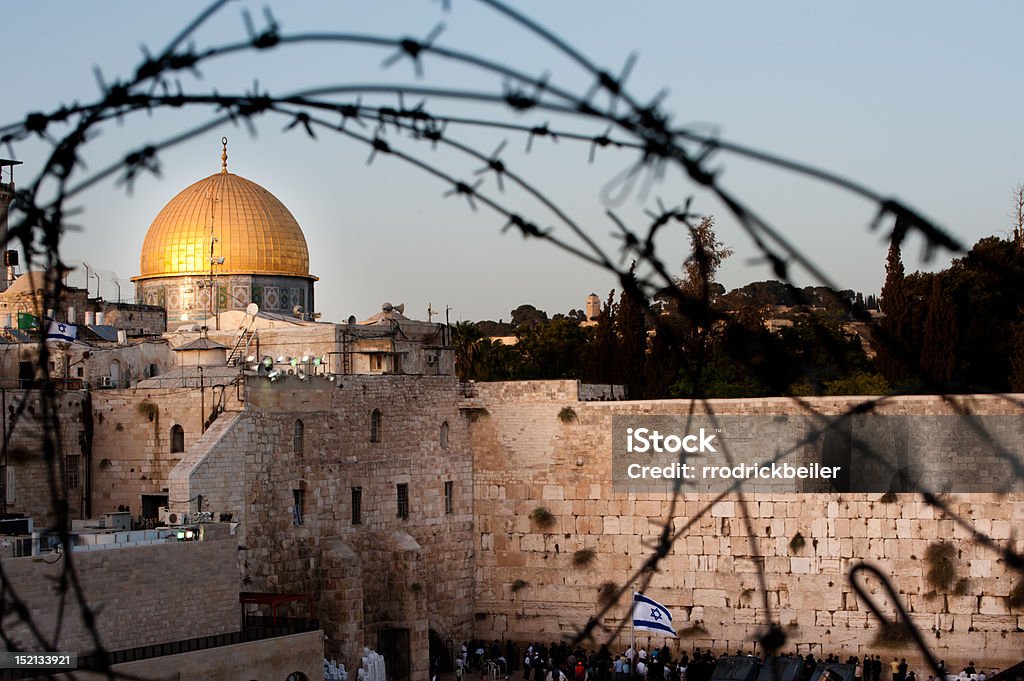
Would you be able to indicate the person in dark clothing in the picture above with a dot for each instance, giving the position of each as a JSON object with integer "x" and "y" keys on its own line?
{"x": 902, "y": 670}
{"x": 809, "y": 666}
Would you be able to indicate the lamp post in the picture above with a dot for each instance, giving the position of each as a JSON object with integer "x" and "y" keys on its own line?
{"x": 213, "y": 284}
{"x": 97, "y": 275}
{"x": 118, "y": 285}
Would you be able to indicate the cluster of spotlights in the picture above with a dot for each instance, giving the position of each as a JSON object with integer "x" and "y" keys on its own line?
{"x": 301, "y": 367}
{"x": 187, "y": 535}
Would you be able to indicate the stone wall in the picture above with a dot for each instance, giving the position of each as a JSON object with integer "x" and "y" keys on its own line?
{"x": 25, "y": 473}
{"x": 142, "y": 595}
{"x": 530, "y": 586}
{"x": 137, "y": 320}
{"x": 375, "y": 573}
{"x": 267, "y": 660}
{"x": 132, "y": 440}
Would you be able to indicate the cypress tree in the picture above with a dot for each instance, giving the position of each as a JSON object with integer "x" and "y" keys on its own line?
{"x": 891, "y": 343}
{"x": 938, "y": 356}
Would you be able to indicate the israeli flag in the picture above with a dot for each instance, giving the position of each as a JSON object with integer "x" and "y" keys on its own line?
{"x": 650, "y": 615}
{"x": 64, "y": 333}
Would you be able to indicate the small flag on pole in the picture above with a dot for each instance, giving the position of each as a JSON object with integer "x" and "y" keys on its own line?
{"x": 64, "y": 333}
{"x": 650, "y": 615}
{"x": 27, "y": 321}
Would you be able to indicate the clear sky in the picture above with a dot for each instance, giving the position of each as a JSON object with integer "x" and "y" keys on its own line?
{"x": 918, "y": 100}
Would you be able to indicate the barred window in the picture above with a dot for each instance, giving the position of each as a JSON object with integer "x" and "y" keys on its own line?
{"x": 375, "y": 426}
{"x": 403, "y": 500}
{"x": 357, "y": 505}
{"x": 299, "y": 495}
{"x": 72, "y": 470}
{"x": 298, "y": 442}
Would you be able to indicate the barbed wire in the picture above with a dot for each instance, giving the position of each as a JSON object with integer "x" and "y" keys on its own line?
{"x": 642, "y": 129}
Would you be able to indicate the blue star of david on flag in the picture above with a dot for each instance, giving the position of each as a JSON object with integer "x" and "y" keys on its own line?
{"x": 650, "y": 615}
{"x": 64, "y": 333}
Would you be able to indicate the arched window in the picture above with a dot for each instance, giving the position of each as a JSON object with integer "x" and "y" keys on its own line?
{"x": 298, "y": 441}
{"x": 375, "y": 426}
{"x": 297, "y": 676}
{"x": 444, "y": 435}
{"x": 177, "y": 439}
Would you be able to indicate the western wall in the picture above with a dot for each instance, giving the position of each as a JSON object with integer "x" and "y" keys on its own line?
{"x": 531, "y": 584}
{"x": 482, "y": 567}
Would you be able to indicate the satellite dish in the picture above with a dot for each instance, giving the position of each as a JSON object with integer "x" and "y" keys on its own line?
{"x": 400, "y": 308}
{"x": 252, "y": 309}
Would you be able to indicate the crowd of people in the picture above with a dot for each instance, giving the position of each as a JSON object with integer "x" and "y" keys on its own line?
{"x": 561, "y": 662}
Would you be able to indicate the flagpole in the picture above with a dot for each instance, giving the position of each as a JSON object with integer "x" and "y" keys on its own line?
{"x": 632, "y": 637}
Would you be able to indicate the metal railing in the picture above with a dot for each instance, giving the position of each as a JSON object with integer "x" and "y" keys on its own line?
{"x": 257, "y": 629}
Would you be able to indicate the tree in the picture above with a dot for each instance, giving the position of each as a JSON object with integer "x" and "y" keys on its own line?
{"x": 938, "y": 355}
{"x": 528, "y": 315}
{"x": 891, "y": 346}
{"x": 601, "y": 366}
{"x": 631, "y": 337}
{"x": 555, "y": 349}
{"x": 1018, "y": 225}
{"x": 465, "y": 340}
{"x": 693, "y": 313}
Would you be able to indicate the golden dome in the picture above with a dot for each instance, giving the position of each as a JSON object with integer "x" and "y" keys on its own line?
{"x": 255, "y": 233}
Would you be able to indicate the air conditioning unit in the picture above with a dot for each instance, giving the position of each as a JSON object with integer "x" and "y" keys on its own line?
{"x": 169, "y": 517}
{"x": 106, "y": 381}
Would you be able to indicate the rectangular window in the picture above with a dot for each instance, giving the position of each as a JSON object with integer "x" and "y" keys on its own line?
{"x": 377, "y": 362}
{"x": 396, "y": 364}
{"x": 449, "y": 492}
{"x": 72, "y": 464}
{"x": 357, "y": 505}
{"x": 299, "y": 496}
{"x": 403, "y": 500}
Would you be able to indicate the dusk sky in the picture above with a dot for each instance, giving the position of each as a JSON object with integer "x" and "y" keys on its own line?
{"x": 914, "y": 99}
